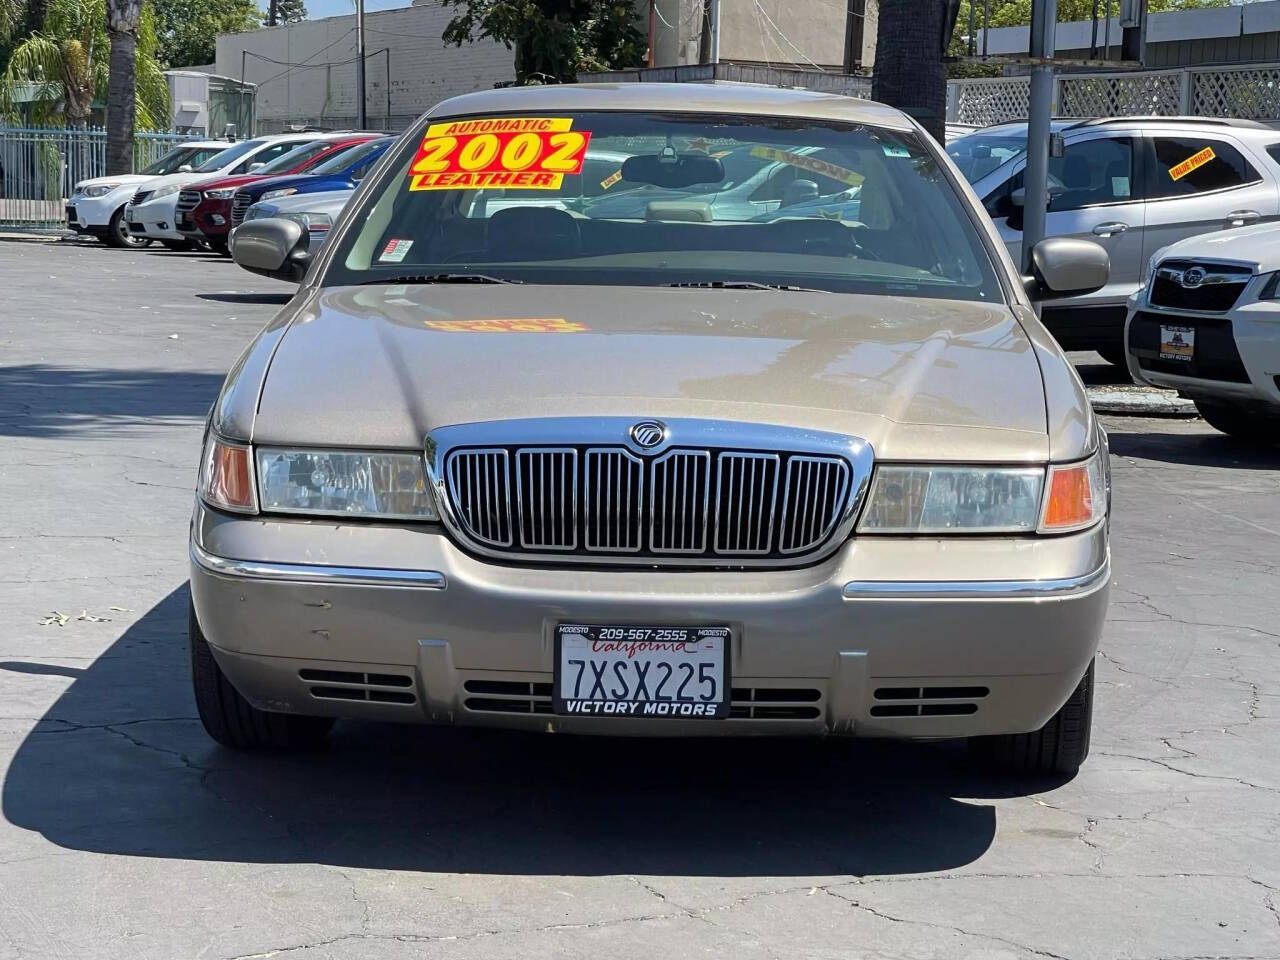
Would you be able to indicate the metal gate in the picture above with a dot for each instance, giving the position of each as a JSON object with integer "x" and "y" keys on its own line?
{"x": 40, "y": 166}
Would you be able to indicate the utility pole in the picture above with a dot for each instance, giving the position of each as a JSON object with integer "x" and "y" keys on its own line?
{"x": 1133, "y": 29}
{"x": 360, "y": 124}
{"x": 1044, "y": 21}
{"x": 713, "y": 18}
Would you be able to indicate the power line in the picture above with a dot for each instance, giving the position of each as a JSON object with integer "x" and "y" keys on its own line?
{"x": 764, "y": 13}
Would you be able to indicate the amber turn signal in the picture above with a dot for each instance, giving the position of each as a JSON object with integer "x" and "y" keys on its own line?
{"x": 227, "y": 478}
{"x": 1076, "y": 496}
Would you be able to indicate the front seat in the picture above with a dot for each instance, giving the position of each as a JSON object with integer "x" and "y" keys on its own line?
{"x": 533, "y": 233}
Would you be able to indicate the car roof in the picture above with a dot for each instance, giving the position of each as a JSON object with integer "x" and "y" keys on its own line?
{"x": 1065, "y": 124}
{"x": 718, "y": 97}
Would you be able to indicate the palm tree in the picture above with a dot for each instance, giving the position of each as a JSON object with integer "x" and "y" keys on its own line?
{"x": 123, "y": 18}
{"x": 66, "y": 64}
{"x": 909, "y": 73}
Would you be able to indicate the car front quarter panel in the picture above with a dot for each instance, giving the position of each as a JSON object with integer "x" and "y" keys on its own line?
{"x": 237, "y": 404}
{"x": 1071, "y": 422}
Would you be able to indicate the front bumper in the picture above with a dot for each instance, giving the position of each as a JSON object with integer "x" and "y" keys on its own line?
{"x": 396, "y": 623}
{"x": 154, "y": 219}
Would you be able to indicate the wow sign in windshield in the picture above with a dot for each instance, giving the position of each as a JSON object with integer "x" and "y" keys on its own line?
{"x": 529, "y": 153}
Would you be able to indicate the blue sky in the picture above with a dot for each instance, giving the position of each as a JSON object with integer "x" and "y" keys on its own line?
{"x": 334, "y": 8}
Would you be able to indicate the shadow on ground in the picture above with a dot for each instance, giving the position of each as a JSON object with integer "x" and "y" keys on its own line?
{"x": 43, "y": 400}
{"x": 119, "y": 765}
{"x": 267, "y": 298}
{"x": 1197, "y": 449}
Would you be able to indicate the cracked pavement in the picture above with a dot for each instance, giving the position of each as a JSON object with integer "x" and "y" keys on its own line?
{"x": 126, "y": 833}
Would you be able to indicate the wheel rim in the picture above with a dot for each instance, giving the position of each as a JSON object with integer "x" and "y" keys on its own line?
{"x": 128, "y": 239}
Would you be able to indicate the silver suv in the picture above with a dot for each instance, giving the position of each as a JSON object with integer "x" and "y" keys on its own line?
{"x": 1134, "y": 185}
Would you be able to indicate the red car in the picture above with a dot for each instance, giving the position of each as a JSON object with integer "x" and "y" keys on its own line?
{"x": 204, "y": 209}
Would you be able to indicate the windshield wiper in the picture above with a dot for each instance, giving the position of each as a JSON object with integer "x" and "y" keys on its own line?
{"x": 742, "y": 285}
{"x": 440, "y": 278}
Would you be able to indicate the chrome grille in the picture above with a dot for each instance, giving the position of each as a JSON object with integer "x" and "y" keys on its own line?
{"x": 547, "y": 498}
{"x": 188, "y": 200}
{"x": 780, "y": 499}
{"x": 240, "y": 203}
{"x": 480, "y": 491}
{"x": 746, "y": 494}
{"x": 681, "y": 489}
{"x": 815, "y": 489}
{"x": 142, "y": 196}
{"x": 613, "y": 492}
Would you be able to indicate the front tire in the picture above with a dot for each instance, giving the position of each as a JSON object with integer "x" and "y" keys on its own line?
{"x": 1059, "y": 747}
{"x": 118, "y": 236}
{"x": 1240, "y": 422}
{"x": 234, "y": 722}
{"x": 1114, "y": 354}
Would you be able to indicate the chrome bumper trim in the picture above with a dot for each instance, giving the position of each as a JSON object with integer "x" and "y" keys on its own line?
{"x": 316, "y": 573}
{"x": 977, "y": 589}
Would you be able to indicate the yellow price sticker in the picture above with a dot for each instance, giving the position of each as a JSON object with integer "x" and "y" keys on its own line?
{"x": 1193, "y": 162}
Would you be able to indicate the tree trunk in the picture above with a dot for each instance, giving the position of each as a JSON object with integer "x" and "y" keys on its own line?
{"x": 909, "y": 73}
{"x": 122, "y": 28}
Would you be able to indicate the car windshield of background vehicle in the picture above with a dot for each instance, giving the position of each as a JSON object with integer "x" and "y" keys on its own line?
{"x": 347, "y": 157}
{"x": 182, "y": 157}
{"x": 229, "y": 156}
{"x": 295, "y": 158}
{"x": 680, "y": 199}
{"x": 982, "y": 153}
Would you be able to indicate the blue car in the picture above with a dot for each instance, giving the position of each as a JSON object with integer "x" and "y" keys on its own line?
{"x": 340, "y": 172}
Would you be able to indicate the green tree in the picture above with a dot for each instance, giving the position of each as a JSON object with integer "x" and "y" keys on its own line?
{"x": 285, "y": 11}
{"x": 552, "y": 39}
{"x": 188, "y": 29}
{"x": 66, "y": 63}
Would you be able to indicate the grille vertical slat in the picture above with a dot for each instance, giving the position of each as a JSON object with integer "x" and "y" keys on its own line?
{"x": 814, "y": 493}
{"x": 613, "y": 477}
{"x": 685, "y": 502}
{"x": 240, "y": 203}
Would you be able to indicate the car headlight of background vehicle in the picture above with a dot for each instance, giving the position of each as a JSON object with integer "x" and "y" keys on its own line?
{"x": 929, "y": 499}
{"x": 166, "y": 191}
{"x": 100, "y": 189}
{"x": 225, "y": 193}
{"x": 282, "y": 192}
{"x": 313, "y": 222}
{"x": 345, "y": 482}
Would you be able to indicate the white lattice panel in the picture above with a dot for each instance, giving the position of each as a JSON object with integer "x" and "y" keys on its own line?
{"x": 1252, "y": 94}
{"x": 1151, "y": 94}
{"x": 992, "y": 101}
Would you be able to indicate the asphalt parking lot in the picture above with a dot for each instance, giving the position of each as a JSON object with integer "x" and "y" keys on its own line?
{"x": 126, "y": 833}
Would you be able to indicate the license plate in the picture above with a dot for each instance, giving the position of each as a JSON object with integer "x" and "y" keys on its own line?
{"x": 629, "y": 671}
{"x": 1177, "y": 343}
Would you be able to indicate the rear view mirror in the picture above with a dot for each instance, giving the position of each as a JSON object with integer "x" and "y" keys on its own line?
{"x": 1066, "y": 267}
{"x": 255, "y": 167}
{"x": 672, "y": 170}
{"x": 273, "y": 247}
{"x": 186, "y": 168}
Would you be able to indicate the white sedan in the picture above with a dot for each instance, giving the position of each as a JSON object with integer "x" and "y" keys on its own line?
{"x": 1207, "y": 323}
{"x": 96, "y": 206}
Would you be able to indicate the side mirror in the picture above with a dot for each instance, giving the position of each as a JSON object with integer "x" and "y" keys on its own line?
{"x": 255, "y": 167}
{"x": 186, "y": 168}
{"x": 1066, "y": 267}
{"x": 273, "y": 247}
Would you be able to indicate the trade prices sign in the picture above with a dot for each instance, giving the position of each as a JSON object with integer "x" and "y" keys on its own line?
{"x": 526, "y": 153}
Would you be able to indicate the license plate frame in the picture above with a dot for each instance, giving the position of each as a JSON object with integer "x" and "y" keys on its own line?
{"x": 632, "y": 641}
{"x": 1177, "y": 342}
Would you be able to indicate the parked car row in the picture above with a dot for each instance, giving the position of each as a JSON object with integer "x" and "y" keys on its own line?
{"x": 196, "y": 194}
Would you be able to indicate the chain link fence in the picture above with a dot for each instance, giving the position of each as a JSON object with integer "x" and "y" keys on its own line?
{"x": 40, "y": 166}
{"x": 1250, "y": 92}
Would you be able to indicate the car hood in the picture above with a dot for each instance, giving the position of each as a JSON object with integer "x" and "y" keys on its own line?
{"x": 329, "y": 202}
{"x": 222, "y": 183}
{"x": 1258, "y": 244}
{"x": 381, "y": 366}
{"x": 297, "y": 180}
{"x": 123, "y": 179}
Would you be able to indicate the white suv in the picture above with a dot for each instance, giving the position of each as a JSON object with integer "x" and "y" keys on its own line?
{"x": 1207, "y": 323}
{"x": 96, "y": 206}
{"x": 151, "y": 212}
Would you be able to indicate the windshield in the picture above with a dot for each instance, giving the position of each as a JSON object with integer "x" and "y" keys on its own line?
{"x": 672, "y": 199}
{"x": 981, "y": 153}
{"x": 229, "y": 156}
{"x": 182, "y": 156}
{"x": 295, "y": 158}
{"x": 348, "y": 156}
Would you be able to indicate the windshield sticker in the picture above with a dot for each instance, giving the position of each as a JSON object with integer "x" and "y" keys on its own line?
{"x": 395, "y": 251}
{"x": 895, "y": 150}
{"x": 531, "y": 153}
{"x": 1193, "y": 162}
{"x": 509, "y": 325}
{"x": 812, "y": 164}
{"x": 611, "y": 179}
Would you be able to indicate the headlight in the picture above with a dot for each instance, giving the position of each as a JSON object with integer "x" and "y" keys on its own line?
{"x": 224, "y": 194}
{"x": 100, "y": 189}
{"x": 226, "y": 476}
{"x": 942, "y": 499}
{"x": 166, "y": 191}
{"x": 259, "y": 212}
{"x": 282, "y": 192}
{"x": 345, "y": 483}
{"x": 313, "y": 222}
